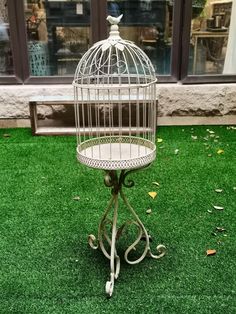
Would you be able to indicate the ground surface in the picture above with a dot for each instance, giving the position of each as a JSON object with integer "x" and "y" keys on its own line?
{"x": 46, "y": 265}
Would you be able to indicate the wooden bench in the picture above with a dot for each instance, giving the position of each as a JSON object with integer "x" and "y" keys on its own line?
{"x": 37, "y": 101}
{"x": 49, "y": 101}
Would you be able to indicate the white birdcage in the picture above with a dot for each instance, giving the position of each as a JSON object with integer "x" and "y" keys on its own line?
{"x": 115, "y": 97}
{"x": 115, "y": 108}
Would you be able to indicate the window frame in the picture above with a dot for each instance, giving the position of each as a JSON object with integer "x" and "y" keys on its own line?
{"x": 95, "y": 27}
{"x": 185, "y": 77}
{"x": 182, "y": 15}
{"x": 16, "y": 77}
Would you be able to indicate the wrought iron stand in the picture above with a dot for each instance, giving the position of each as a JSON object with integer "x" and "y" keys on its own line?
{"x": 115, "y": 182}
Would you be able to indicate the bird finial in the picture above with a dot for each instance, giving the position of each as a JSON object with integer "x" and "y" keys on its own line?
{"x": 114, "y": 20}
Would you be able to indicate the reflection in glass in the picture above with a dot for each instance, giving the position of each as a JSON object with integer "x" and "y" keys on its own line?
{"x": 148, "y": 24}
{"x": 211, "y": 20}
{"x": 6, "y": 63}
{"x": 58, "y": 35}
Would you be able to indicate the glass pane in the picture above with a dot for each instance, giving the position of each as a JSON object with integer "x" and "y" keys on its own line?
{"x": 58, "y": 35}
{"x": 6, "y": 62}
{"x": 148, "y": 24}
{"x": 213, "y": 38}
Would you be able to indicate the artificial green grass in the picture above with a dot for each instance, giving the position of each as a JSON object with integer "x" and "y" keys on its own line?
{"x": 46, "y": 265}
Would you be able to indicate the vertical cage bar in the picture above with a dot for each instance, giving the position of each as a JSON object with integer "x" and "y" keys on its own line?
{"x": 83, "y": 114}
{"x": 90, "y": 121}
{"x": 77, "y": 116}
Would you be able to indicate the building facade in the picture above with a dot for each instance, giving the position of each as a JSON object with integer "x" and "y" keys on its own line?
{"x": 192, "y": 45}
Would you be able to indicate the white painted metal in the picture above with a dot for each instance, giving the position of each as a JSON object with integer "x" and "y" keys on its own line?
{"x": 115, "y": 104}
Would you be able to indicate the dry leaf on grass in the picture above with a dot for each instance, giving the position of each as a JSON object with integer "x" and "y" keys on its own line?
{"x": 156, "y": 183}
{"x": 218, "y": 190}
{"x": 76, "y": 198}
{"x": 218, "y": 207}
{"x": 148, "y": 211}
{"x": 210, "y": 131}
{"x": 194, "y": 137}
{"x": 220, "y": 229}
{"x": 159, "y": 140}
{"x": 152, "y": 194}
{"x": 220, "y": 151}
{"x": 210, "y": 252}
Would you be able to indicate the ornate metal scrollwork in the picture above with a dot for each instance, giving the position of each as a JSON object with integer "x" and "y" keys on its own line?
{"x": 114, "y": 182}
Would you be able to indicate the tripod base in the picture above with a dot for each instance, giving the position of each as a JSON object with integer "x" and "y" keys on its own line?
{"x": 115, "y": 183}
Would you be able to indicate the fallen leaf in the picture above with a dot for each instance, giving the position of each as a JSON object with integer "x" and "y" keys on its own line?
{"x": 148, "y": 211}
{"x": 194, "y": 137}
{"x": 152, "y": 194}
{"x": 218, "y": 207}
{"x": 210, "y": 252}
{"x": 176, "y": 151}
{"x": 211, "y": 132}
{"x": 209, "y": 211}
{"x": 218, "y": 190}
{"x": 6, "y": 135}
{"x": 159, "y": 140}
{"x": 220, "y": 229}
{"x": 212, "y": 135}
{"x": 216, "y": 141}
{"x": 220, "y": 151}
{"x": 234, "y": 188}
{"x": 214, "y": 234}
{"x": 209, "y": 155}
{"x": 76, "y": 198}
{"x": 156, "y": 183}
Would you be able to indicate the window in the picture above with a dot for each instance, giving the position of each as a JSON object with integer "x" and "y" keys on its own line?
{"x": 210, "y": 47}
{"x": 6, "y": 61}
{"x": 149, "y": 25}
{"x": 212, "y": 33}
{"x": 57, "y": 35}
{"x": 192, "y": 41}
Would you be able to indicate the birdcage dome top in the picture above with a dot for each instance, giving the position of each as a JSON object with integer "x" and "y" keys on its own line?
{"x": 115, "y": 62}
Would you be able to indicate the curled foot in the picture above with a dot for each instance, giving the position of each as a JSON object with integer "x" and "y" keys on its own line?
{"x": 110, "y": 286}
{"x": 92, "y": 242}
{"x": 161, "y": 250}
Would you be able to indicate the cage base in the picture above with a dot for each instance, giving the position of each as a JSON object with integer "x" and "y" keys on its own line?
{"x": 116, "y": 153}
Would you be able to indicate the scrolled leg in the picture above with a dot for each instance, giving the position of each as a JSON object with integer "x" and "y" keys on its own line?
{"x": 161, "y": 249}
{"x": 108, "y": 233}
